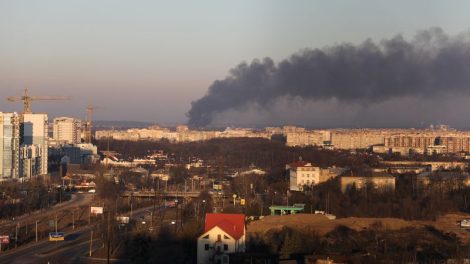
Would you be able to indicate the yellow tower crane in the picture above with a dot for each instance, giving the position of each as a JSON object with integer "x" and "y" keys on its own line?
{"x": 27, "y": 99}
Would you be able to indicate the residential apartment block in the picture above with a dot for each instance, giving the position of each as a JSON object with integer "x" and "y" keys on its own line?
{"x": 182, "y": 134}
{"x": 23, "y": 145}
{"x": 34, "y": 144}
{"x": 9, "y": 145}
{"x": 67, "y": 130}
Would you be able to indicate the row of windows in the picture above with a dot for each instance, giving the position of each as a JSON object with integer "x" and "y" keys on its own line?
{"x": 207, "y": 247}
{"x": 307, "y": 182}
{"x": 306, "y": 175}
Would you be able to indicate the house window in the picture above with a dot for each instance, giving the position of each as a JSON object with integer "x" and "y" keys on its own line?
{"x": 225, "y": 247}
{"x": 206, "y": 237}
{"x": 226, "y": 237}
{"x": 206, "y": 246}
{"x": 219, "y": 237}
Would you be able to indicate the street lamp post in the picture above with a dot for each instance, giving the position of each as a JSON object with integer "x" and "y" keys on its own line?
{"x": 204, "y": 208}
{"x": 73, "y": 220}
{"x": 176, "y": 222}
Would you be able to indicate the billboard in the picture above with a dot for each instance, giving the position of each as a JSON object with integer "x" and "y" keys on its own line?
{"x": 5, "y": 239}
{"x": 96, "y": 210}
{"x": 123, "y": 219}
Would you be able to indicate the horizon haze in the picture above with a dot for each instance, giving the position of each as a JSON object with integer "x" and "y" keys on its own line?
{"x": 161, "y": 62}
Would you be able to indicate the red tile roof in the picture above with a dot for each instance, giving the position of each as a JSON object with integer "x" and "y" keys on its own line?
{"x": 232, "y": 224}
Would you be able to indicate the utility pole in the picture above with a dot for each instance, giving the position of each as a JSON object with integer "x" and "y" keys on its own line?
{"x": 131, "y": 208}
{"x": 16, "y": 236}
{"x": 223, "y": 204}
{"x": 109, "y": 240}
{"x": 56, "y": 223}
{"x": 36, "y": 231}
{"x": 91, "y": 241}
{"x": 154, "y": 203}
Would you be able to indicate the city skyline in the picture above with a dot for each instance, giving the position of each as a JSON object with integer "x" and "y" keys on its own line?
{"x": 216, "y": 132}
{"x": 143, "y": 63}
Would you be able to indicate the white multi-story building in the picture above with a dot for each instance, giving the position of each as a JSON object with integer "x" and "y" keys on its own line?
{"x": 223, "y": 234}
{"x": 303, "y": 174}
{"x": 67, "y": 130}
{"x": 9, "y": 145}
{"x": 34, "y": 144}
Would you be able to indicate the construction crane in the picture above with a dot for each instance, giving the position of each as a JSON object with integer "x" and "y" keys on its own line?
{"x": 89, "y": 122}
{"x": 27, "y": 99}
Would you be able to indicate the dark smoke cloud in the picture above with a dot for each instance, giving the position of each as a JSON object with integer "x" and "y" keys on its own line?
{"x": 428, "y": 66}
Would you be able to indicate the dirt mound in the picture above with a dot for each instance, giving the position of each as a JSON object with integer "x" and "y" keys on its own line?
{"x": 323, "y": 225}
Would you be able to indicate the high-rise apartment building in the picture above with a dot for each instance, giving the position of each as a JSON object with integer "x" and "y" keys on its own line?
{"x": 67, "y": 130}
{"x": 33, "y": 150}
{"x": 9, "y": 145}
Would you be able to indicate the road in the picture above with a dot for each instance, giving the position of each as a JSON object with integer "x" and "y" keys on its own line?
{"x": 19, "y": 255}
{"x": 49, "y": 252}
{"x": 77, "y": 200}
{"x": 74, "y": 249}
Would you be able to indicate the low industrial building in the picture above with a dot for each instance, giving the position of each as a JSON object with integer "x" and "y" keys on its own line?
{"x": 382, "y": 181}
{"x": 435, "y": 165}
{"x": 285, "y": 209}
{"x": 443, "y": 180}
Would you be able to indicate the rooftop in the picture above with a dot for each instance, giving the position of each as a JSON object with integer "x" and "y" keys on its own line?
{"x": 232, "y": 224}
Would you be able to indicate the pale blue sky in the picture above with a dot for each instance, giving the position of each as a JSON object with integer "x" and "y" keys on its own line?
{"x": 147, "y": 60}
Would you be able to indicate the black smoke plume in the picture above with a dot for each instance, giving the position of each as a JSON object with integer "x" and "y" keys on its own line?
{"x": 431, "y": 64}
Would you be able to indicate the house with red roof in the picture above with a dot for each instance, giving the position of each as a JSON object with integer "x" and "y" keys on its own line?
{"x": 223, "y": 234}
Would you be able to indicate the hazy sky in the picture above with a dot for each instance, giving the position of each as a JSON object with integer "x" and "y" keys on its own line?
{"x": 147, "y": 60}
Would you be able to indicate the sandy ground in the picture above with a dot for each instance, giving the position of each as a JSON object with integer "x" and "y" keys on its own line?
{"x": 322, "y": 225}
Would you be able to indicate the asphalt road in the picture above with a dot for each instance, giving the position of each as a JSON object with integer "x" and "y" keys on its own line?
{"x": 77, "y": 200}
{"x": 45, "y": 251}
{"x": 74, "y": 249}
{"x": 34, "y": 252}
